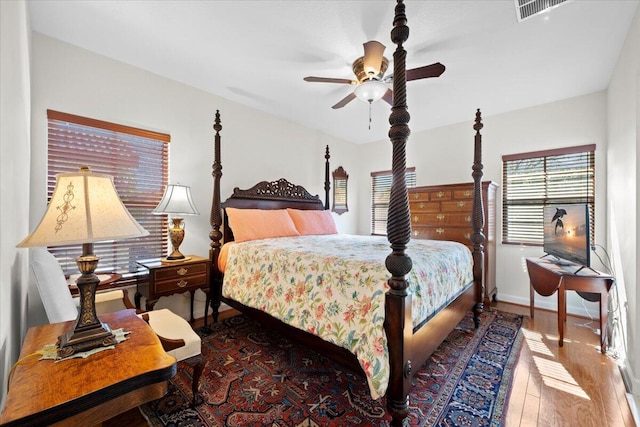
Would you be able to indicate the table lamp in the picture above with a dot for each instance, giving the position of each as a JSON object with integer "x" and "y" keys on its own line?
{"x": 177, "y": 201}
{"x": 85, "y": 208}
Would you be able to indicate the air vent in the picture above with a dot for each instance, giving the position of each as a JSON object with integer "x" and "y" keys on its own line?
{"x": 528, "y": 8}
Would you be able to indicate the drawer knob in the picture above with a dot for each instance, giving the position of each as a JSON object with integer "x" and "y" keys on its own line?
{"x": 467, "y": 235}
{"x": 439, "y": 230}
{"x": 182, "y": 271}
{"x": 421, "y": 205}
{"x": 467, "y": 193}
{"x": 461, "y": 204}
{"x": 416, "y": 233}
{"x": 440, "y": 194}
{"x": 416, "y": 218}
{"x": 416, "y": 196}
{"x": 440, "y": 217}
{"x": 467, "y": 218}
{"x": 182, "y": 283}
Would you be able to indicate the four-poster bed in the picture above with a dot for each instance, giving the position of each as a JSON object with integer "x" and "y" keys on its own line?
{"x": 408, "y": 343}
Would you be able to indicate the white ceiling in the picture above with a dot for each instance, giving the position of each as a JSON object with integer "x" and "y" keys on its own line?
{"x": 257, "y": 52}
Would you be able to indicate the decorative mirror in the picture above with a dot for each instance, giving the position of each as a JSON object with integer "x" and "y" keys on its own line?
{"x": 340, "y": 178}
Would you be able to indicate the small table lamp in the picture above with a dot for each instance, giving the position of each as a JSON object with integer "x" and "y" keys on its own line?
{"x": 85, "y": 208}
{"x": 176, "y": 200}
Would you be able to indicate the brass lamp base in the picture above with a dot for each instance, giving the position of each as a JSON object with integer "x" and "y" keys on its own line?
{"x": 89, "y": 332}
{"x": 77, "y": 341}
{"x": 176, "y": 235}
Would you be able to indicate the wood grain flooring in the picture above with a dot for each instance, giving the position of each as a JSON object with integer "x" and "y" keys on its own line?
{"x": 573, "y": 385}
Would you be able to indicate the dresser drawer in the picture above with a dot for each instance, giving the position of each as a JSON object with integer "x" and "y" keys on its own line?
{"x": 456, "y": 234}
{"x": 179, "y": 271}
{"x": 185, "y": 283}
{"x": 428, "y": 207}
{"x": 463, "y": 194}
{"x": 457, "y": 206}
{"x": 439, "y": 219}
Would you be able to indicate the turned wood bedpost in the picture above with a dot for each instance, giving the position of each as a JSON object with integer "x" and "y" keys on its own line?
{"x": 477, "y": 222}
{"x": 398, "y": 323}
{"x": 216, "y": 222}
{"x": 327, "y": 183}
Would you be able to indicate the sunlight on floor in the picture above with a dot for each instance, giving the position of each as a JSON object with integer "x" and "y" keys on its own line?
{"x": 553, "y": 373}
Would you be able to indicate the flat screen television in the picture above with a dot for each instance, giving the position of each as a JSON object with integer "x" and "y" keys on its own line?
{"x": 566, "y": 233}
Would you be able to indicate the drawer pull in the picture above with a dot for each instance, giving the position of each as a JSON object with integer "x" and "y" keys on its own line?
{"x": 440, "y": 194}
{"x": 467, "y": 193}
{"x": 467, "y": 235}
{"x": 182, "y": 283}
{"x": 440, "y": 217}
{"x": 421, "y": 205}
{"x": 467, "y": 218}
{"x": 182, "y": 271}
{"x": 416, "y": 218}
{"x": 461, "y": 204}
{"x": 416, "y": 196}
{"x": 416, "y": 233}
{"x": 439, "y": 230}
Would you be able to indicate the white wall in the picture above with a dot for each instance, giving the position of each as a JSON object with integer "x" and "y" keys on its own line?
{"x": 255, "y": 145}
{"x": 14, "y": 181}
{"x": 445, "y": 155}
{"x": 623, "y": 102}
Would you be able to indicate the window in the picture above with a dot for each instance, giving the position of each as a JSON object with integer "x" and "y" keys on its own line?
{"x": 532, "y": 180}
{"x": 380, "y": 192}
{"x": 138, "y": 161}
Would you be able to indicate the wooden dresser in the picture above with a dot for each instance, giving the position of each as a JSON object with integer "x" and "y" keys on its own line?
{"x": 443, "y": 212}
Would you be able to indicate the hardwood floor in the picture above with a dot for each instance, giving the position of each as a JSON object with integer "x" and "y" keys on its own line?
{"x": 573, "y": 385}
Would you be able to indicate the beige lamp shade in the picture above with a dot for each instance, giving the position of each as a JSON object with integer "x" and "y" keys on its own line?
{"x": 176, "y": 200}
{"x": 85, "y": 208}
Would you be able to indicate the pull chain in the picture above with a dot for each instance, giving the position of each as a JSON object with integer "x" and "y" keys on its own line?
{"x": 370, "y": 102}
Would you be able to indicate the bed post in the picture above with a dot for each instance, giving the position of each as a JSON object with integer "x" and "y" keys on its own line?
{"x": 477, "y": 222}
{"x": 327, "y": 183}
{"x": 398, "y": 323}
{"x": 216, "y": 222}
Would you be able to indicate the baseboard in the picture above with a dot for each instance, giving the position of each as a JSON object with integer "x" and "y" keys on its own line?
{"x": 574, "y": 310}
{"x": 632, "y": 385}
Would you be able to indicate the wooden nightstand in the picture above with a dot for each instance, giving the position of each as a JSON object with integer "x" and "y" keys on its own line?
{"x": 168, "y": 278}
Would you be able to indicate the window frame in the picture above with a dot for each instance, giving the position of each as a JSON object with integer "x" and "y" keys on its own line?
{"x": 385, "y": 180}
{"x": 138, "y": 160}
{"x": 546, "y": 183}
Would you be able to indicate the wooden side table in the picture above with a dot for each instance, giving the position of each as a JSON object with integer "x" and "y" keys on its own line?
{"x": 168, "y": 278}
{"x": 87, "y": 391}
{"x": 547, "y": 277}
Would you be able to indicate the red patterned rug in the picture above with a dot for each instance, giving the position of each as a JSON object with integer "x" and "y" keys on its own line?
{"x": 255, "y": 377}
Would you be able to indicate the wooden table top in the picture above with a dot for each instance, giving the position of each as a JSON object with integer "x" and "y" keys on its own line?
{"x": 42, "y": 392}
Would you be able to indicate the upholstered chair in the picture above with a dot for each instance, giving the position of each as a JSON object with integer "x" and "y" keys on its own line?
{"x": 175, "y": 333}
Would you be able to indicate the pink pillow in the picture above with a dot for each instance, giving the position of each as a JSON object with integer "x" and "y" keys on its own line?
{"x": 313, "y": 222}
{"x": 252, "y": 224}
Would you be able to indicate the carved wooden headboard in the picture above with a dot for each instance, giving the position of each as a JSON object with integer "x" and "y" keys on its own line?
{"x": 280, "y": 194}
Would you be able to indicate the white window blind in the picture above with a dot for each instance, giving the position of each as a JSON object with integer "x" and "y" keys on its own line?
{"x": 380, "y": 193}
{"x": 138, "y": 161}
{"x": 532, "y": 180}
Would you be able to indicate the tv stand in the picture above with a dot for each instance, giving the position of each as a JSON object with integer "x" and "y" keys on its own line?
{"x": 546, "y": 277}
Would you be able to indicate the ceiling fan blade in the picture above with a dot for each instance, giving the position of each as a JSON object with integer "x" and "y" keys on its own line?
{"x": 372, "y": 60}
{"x": 433, "y": 70}
{"x": 388, "y": 96}
{"x": 328, "y": 80}
{"x": 344, "y": 101}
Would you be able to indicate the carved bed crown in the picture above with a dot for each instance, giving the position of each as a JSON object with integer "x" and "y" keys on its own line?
{"x": 274, "y": 190}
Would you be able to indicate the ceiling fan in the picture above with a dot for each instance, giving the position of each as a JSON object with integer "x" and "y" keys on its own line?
{"x": 370, "y": 82}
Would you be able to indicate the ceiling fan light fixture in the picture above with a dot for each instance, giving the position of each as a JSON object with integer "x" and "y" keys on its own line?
{"x": 370, "y": 90}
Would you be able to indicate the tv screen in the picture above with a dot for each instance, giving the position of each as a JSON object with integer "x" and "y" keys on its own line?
{"x": 566, "y": 233}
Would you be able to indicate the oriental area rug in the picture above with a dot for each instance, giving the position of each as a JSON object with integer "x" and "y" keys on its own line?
{"x": 256, "y": 377}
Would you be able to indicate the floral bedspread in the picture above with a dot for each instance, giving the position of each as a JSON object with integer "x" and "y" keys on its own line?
{"x": 333, "y": 286}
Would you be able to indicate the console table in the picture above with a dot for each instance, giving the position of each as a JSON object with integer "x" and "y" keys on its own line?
{"x": 547, "y": 277}
{"x": 87, "y": 391}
